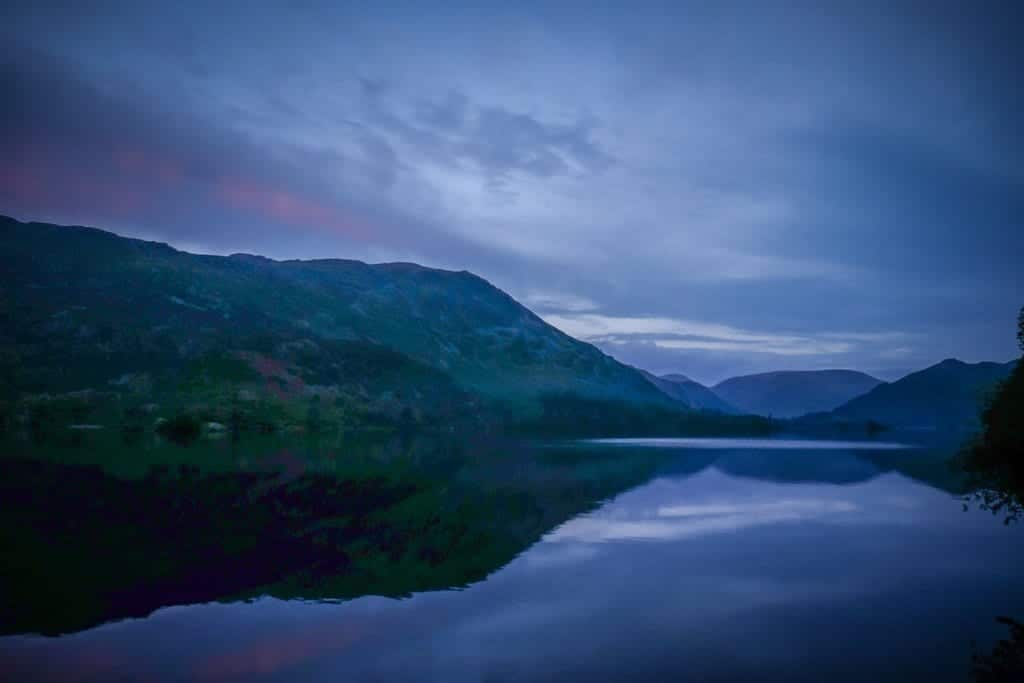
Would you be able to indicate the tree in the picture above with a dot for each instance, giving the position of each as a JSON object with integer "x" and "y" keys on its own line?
{"x": 996, "y": 461}
{"x": 181, "y": 429}
{"x": 1020, "y": 329}
{"x": 1005, "y": 663}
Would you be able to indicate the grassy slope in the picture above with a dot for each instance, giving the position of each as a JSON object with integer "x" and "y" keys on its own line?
{"x": 121, "y": 304}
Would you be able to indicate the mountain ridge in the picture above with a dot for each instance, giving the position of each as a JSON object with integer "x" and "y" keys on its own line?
{"x": 948, "y": 395}
{"x": 792, "y": 393}
{"x": 356, "y": 300}
{"x": 99, "y": 329}
{"x": 690, "y": 393}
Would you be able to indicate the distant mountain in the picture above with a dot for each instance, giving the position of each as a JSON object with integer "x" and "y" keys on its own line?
{"x": 83, "y": 310}
{"x": 794, "y": 393}
{"x": 946, "y": 396}
{"x": 692, "y": 394}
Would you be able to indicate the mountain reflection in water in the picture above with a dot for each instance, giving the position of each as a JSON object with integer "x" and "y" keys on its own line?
{"x": 587, "y": 562}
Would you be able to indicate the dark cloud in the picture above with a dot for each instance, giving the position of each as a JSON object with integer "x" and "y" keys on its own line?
{"x": 449, "y": 113}
{"x": 97, "y": 152}
{"x": 503, "y": 141}
{"x": 107, "y": 154}
{"x": 453, "y": 130}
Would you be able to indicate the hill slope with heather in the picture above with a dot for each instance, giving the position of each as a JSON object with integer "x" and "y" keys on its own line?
{"x": 87, "y": 313}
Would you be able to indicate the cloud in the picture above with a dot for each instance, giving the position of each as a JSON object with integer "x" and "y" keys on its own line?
{"x": 558, "y": 301}
{"x": 283, "y": 206}
{"x": 123, "y": 159}
{"x": 672, "y": 333}
{"x": 454, "y": 131}
{"x": 787, "y": 347}
{"x": 676, "y": 522}
{"x": 127, "y": 162}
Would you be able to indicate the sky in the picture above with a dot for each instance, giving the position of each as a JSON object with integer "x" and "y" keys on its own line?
{"x": 706, "y": 188}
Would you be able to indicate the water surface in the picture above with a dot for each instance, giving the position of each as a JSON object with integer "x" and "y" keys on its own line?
{"x": 640, "y": 560}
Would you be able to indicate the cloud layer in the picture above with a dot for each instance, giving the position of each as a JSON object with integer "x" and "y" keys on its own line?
{"x": 706, "y": 190}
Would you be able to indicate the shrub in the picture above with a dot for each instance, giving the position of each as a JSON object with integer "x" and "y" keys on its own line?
{"x": 181, "y": 429}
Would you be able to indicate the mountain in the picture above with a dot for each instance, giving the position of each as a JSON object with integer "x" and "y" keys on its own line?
{"x": 86, "y": 314}
{"x": 692, "y": 394}
{"x": 946, "y": 396}
{"x": 794, "y": 393}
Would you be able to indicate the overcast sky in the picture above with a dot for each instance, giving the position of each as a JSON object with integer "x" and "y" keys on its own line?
{"x": 705, "y": 188}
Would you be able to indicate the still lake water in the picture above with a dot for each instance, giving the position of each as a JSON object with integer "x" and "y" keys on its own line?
{"x": 729, "y": 560}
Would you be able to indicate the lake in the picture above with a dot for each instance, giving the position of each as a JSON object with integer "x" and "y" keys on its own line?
{"x": 662, "y": 559}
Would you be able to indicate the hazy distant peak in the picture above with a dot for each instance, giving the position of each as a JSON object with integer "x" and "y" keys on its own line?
{"x": 692, "y": 394}
{"x": 832, "y": 372}
{"x": 947, "y": 396}
{"x": 791, "y": 393}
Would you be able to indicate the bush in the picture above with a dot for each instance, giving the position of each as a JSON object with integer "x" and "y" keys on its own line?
{"x": 181, "y": 429}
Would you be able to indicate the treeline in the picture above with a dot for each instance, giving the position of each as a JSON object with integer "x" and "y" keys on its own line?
{"x": 569, "y": 415}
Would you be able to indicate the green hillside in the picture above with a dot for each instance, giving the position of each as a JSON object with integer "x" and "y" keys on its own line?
{"x": 97, "y": 329}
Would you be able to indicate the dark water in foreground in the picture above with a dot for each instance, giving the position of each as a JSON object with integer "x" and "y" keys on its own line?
{"x": 647, "y": 560}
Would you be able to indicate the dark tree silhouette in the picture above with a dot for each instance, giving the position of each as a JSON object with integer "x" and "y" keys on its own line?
{"x": 1020, "y": 329}
{"x": 996, "y": 460}
{"x": 1006, "y": 662}
{"x": 181, "y": 429}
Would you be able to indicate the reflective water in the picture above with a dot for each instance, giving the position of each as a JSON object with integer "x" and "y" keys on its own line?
{"x": 707, "y": 561}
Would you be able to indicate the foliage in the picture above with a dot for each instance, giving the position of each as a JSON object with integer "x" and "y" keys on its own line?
{"x": 1020, "y": 329}
{"x": 1005, "y": 664}
{"x": 181, "y": 429}
{"x": 571, "y": 415}
{"x": 995, "y": 458}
